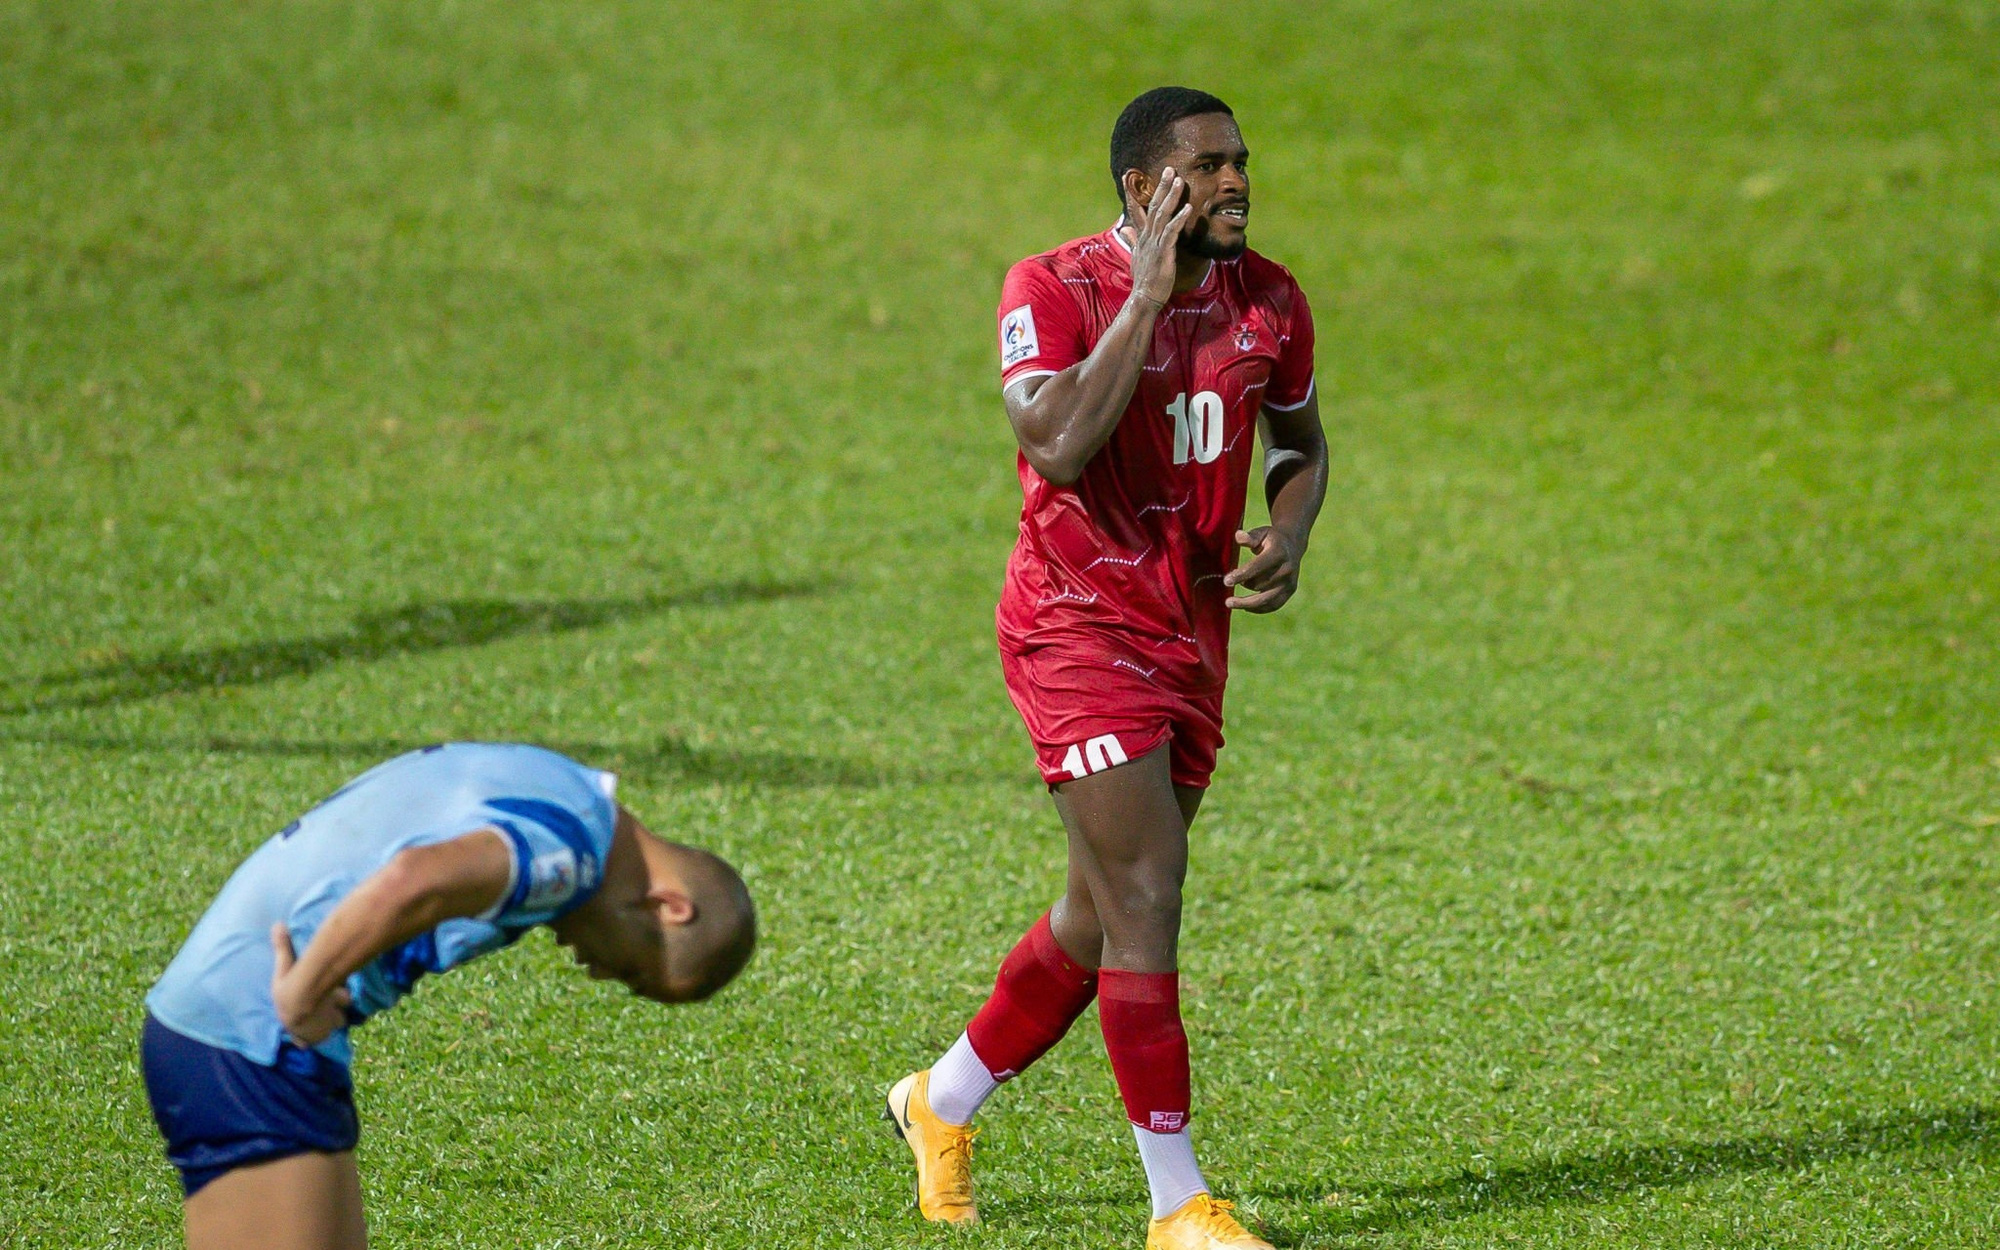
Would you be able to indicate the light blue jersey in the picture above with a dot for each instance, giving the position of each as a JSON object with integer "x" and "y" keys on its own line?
{"x": 558, "y": 815}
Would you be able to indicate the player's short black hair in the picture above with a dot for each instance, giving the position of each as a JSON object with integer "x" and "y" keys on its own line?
{"x": 1145, "y": 129}
{"x": 724, "y": 933}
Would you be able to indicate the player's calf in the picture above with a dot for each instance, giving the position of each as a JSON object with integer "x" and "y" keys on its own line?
{"x": 1039, "y": 993}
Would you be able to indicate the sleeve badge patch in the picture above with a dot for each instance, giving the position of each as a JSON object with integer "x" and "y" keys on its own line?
{"x": 1017, "y": 337}
{"x": 552, "y": 880}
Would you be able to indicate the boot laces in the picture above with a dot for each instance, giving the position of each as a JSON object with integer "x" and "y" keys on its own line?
{"x": 1216, "y": 1219}
{"x": 954, "y": 1156}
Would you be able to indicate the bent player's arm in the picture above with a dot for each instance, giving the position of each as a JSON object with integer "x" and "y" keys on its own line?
{"x": 1295, "y": 471}
{"x": 1061, "y": 421}
{"x": 419, "y": 888}
{"x": 1064, "y": 419}
{"x": 1295, "y": 467}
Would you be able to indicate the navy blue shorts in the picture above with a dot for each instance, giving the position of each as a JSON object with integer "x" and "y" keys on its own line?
{"x": 219, "y": 1110}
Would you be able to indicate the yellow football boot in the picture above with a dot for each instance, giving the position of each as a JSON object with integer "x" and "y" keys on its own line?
{"x": 1201, "y": 1223}
{"x": 944, "y": 1152}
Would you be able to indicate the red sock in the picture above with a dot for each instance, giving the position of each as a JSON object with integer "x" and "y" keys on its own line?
{"x": 1040, "y": 992}
{"x": 1141, "y": 1015}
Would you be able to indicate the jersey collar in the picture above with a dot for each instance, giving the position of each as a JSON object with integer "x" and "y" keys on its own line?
{"x": 1117, "y": 233}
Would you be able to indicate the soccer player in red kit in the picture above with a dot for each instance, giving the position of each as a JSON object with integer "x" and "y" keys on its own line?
{"x": 1135, "y": 364}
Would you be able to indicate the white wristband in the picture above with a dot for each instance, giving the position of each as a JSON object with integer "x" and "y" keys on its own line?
{"x": 1276, "y": 458}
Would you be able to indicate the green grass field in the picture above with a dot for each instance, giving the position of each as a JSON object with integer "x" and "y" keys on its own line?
{"x": 1604, "y": 854}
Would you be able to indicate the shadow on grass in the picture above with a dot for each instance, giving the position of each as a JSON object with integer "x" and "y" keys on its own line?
{"x": 1602, "y": 1177}
{"x": 668, "y": 759}
{"x": 409, "y": 630}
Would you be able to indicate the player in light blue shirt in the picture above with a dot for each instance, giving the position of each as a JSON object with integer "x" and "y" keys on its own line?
{"x": 416, "y": 866}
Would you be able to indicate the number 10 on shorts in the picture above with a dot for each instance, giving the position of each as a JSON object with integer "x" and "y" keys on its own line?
{"x": 1197, "y": 426}
{"x": 1094, "y": 756}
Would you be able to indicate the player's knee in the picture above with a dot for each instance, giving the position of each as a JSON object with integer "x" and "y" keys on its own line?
{"x": 1150, "y": 901}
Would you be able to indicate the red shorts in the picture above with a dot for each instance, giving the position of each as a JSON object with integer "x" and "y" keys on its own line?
{"x": 1087, "y": 714}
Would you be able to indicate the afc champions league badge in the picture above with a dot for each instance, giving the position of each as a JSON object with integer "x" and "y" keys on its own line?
{"x": 1017, "y": 337}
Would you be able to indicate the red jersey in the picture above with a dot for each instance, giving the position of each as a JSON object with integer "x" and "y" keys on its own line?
{"x": 1126, "y": 563}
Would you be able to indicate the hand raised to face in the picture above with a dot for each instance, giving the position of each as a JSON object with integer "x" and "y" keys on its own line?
{"x": 1155, "y": 234}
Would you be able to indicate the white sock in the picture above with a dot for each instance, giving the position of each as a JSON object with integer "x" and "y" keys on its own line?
{"x": 1171, "y": 1171}
{"x": 959, "y": 1083}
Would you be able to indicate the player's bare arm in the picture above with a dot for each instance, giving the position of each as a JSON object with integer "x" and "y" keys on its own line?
{"x": 1061, "y": 421}
{"x": 1295, "y": 475}
{"x": 418, "y": 889}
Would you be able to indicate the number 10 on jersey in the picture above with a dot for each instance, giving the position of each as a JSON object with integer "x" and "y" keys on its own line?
{"x": 1197, "y": 426}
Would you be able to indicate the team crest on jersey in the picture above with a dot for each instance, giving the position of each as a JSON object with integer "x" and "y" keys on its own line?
{"x": 1246, "y": 338}
{"x": 552, "y": 878}
{"x": 1017, "y": 337}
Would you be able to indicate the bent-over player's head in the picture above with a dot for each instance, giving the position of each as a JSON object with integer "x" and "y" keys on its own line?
{"x": 673, "y": 922}
{"x": 1196, "y": 134}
